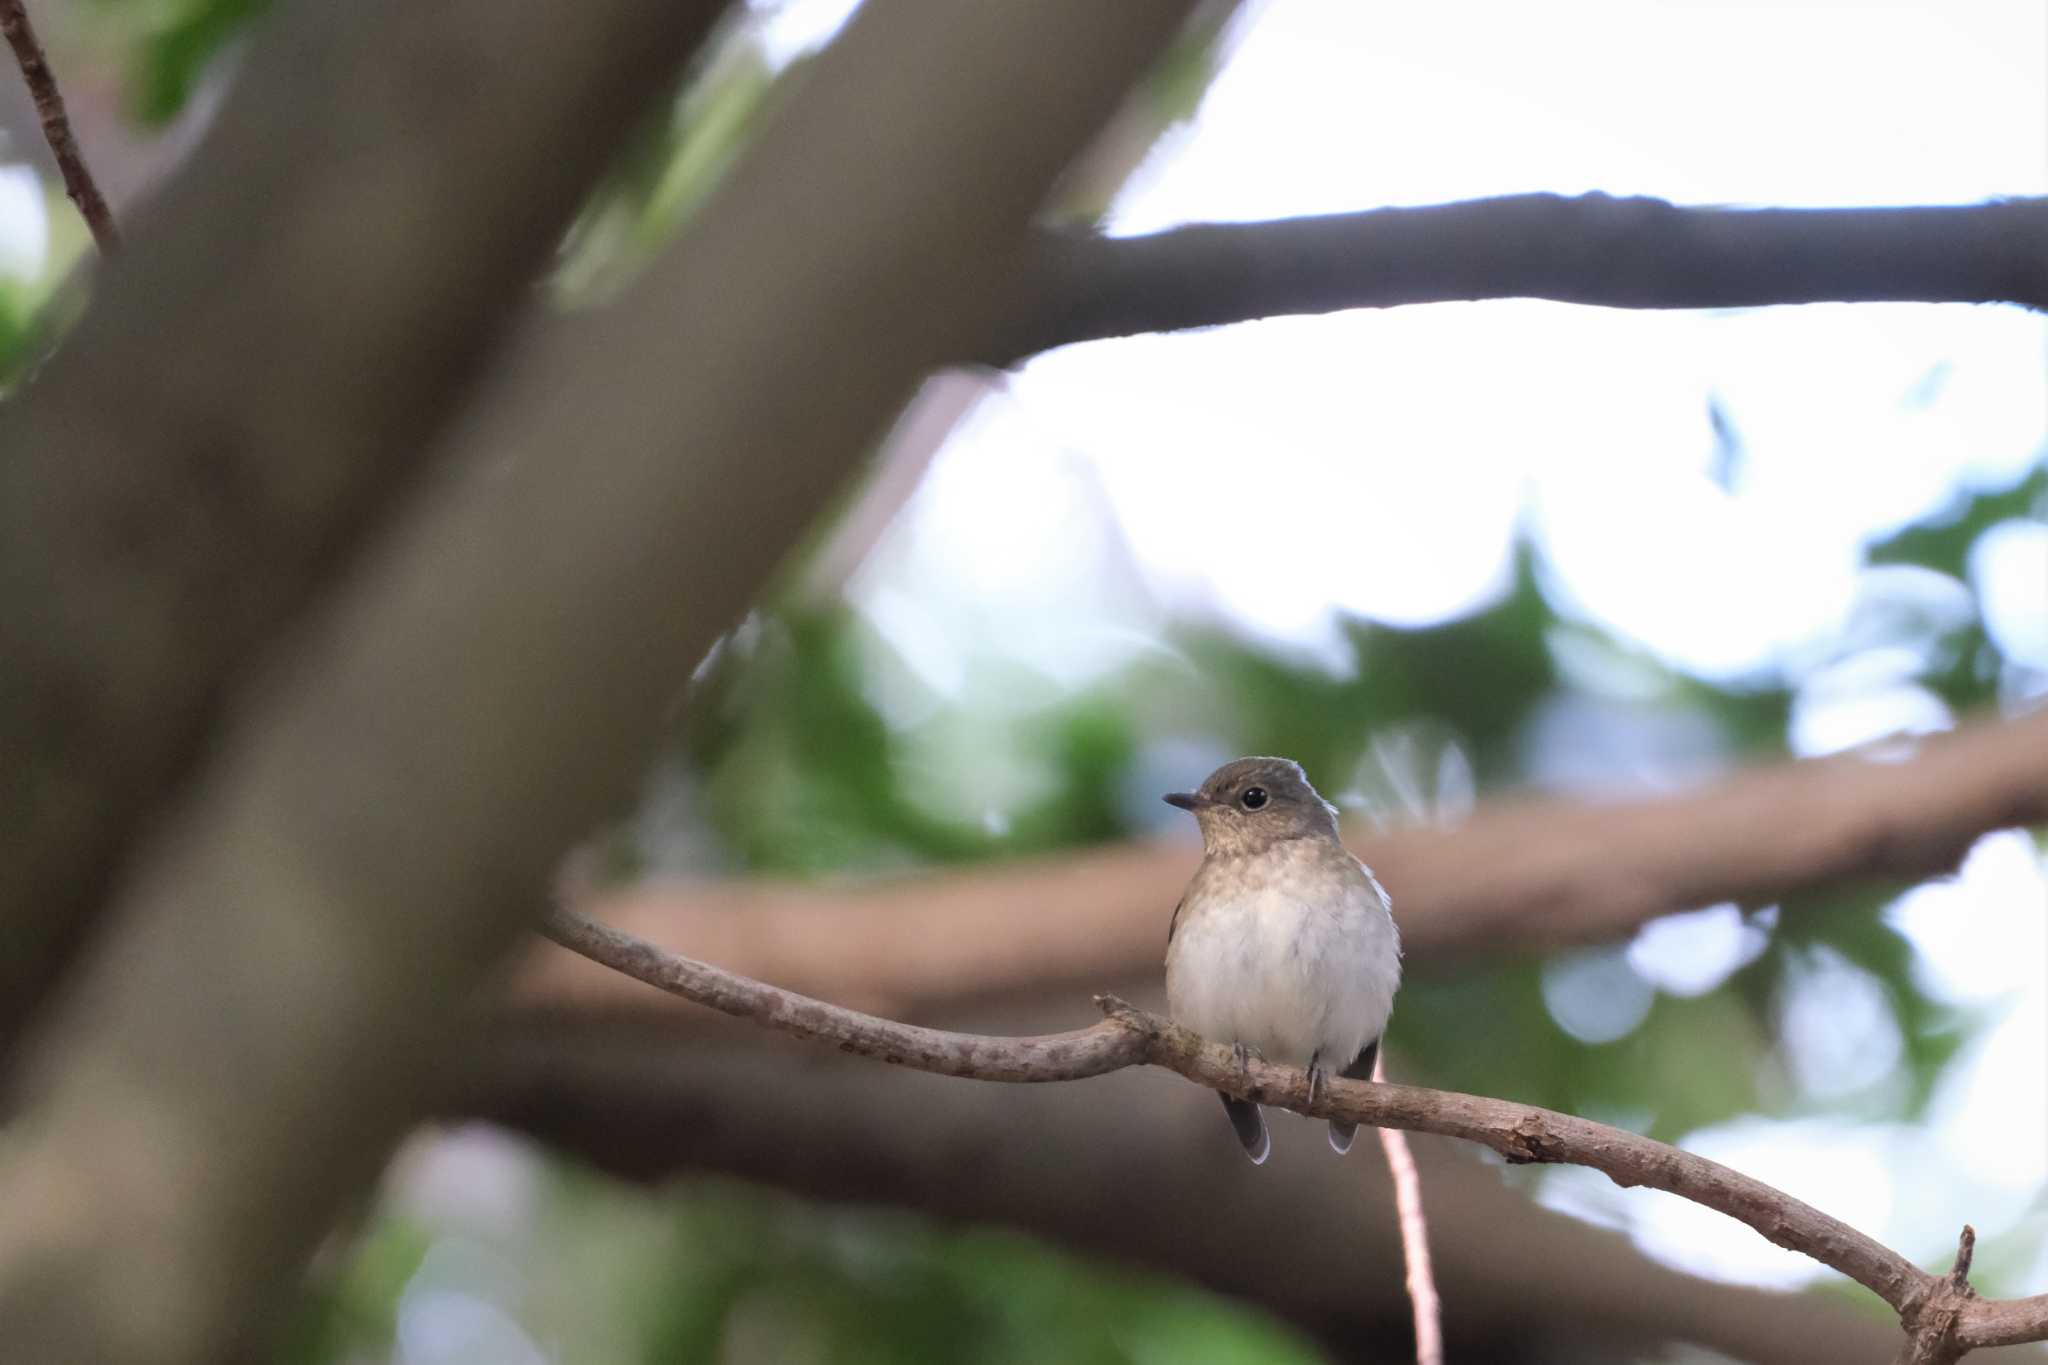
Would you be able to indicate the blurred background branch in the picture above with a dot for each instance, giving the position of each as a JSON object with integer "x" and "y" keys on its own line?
{"x": 1517, "y": 876}
{"x": 392, "y": 178}
{"x": 1627, "y": 252}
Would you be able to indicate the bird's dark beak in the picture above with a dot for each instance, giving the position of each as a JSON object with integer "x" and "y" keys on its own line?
{"x": 1186, "y": 800}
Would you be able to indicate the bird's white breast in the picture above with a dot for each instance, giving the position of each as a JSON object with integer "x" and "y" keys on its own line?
{"x": 1284, "y": 957}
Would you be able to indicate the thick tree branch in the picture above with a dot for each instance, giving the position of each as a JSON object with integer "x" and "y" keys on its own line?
{"x": 483, "y": 688}
{"x": 1528, "y": 876}
{"x": 253, "y": 379}
{"x": 1592, "y": 249}
{"x": 1518, "y": 1132}
{"x": 49, "y": 101}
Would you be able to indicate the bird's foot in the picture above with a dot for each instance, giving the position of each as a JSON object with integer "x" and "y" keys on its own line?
{"x": 1318, "y": 1077}
{"x": 1243, "y": 1054}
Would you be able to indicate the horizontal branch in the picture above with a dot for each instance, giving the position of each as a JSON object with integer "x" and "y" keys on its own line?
{"x": 1518, "y": 1132}
{"x": 1104, "y": 1169}
{"x": 1629, "y": 252}
{"x": 1517, "y": 877}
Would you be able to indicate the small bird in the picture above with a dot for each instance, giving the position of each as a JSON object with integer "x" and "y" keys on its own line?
{"x": 1283, "y": 944}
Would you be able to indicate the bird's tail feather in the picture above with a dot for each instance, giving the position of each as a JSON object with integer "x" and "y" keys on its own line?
{"x": 1360, "y": 1069}
{"x": 1250, "y": 1126}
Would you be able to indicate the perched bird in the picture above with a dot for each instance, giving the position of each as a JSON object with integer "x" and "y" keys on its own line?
{"x": 1283, "y": 945}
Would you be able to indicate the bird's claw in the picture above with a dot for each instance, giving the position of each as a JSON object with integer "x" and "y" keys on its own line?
{"x": 1318, "y": 1078}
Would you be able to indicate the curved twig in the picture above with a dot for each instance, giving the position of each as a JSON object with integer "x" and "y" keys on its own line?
{"x": 1128, "y": 1036}
{"x": 42, "y": 88}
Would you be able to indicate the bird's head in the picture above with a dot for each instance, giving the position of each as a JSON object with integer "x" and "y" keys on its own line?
{"x": 1250, "y": 804}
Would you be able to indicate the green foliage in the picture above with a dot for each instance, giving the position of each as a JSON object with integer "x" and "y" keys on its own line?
{"x": 1478, "y": 676}
{"x": 1942, "y": 542}
{"x": 600, "y": 1271}
{"x": 669, "y": 170}
{"x": 176, "y": 42}
{"x": 875, "y": 1289}
{"x": 1691, "y": 1062}
{"x": 32, "y": 311}
{"x": 1177, "y": 85}
{"x": 350, "y": 1311}
{"x": 17, "y": 330}
{"x": 1965, "y": 674}
{"x": 2007, "y": 1266}
{"x": 1849, "y": 922}
{"x": 810, "y": 776}
{"x": 806, "y": 776}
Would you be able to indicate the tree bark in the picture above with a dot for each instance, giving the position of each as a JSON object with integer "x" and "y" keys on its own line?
{"x": 254, "y": 1033}
{"x": 251, "y": 385}
{"x": 1592, "y": 249}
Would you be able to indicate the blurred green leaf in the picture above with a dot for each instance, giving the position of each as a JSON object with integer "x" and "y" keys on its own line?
{"x": 875, "y": 1289}
{"x": 1943, "y": 541}
{"x": 178, "y": 40}
{"x": 1851, "y": 923}
{"x": 670, "y": 168}
{"x": 352, "y": 1313}
{"x": 1479, "y": 675}
{"x": 17, "y": 331}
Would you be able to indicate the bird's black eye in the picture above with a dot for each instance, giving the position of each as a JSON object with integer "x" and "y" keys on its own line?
{"x": 1253, "y": 798}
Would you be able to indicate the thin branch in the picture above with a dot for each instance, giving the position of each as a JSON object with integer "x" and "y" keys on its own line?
{"x": 1518, "y": 1132}
{"x": 1592, "y": 249}
{"x": 1106, "y": 1168}
{"x": 1525, "y": 876}
{"x": 1423, "y": 1301}
{"x": 42, "y": 87}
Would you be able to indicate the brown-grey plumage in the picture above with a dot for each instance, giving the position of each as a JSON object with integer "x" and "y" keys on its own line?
{"x": 1283, "y": 944}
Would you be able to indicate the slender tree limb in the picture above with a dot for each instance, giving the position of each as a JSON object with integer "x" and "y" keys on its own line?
{"x": 1591, "y": 249}
{"x": 1519, "y": 876}
{"x": 251, "y": 384}
{"x": 49, "y": 101}
{"x": 1424, "y": 1303}
{"x": 483, "y": 686}
{"x": 1518, "y": 1132}
{"x": 1134, "y": 1168}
